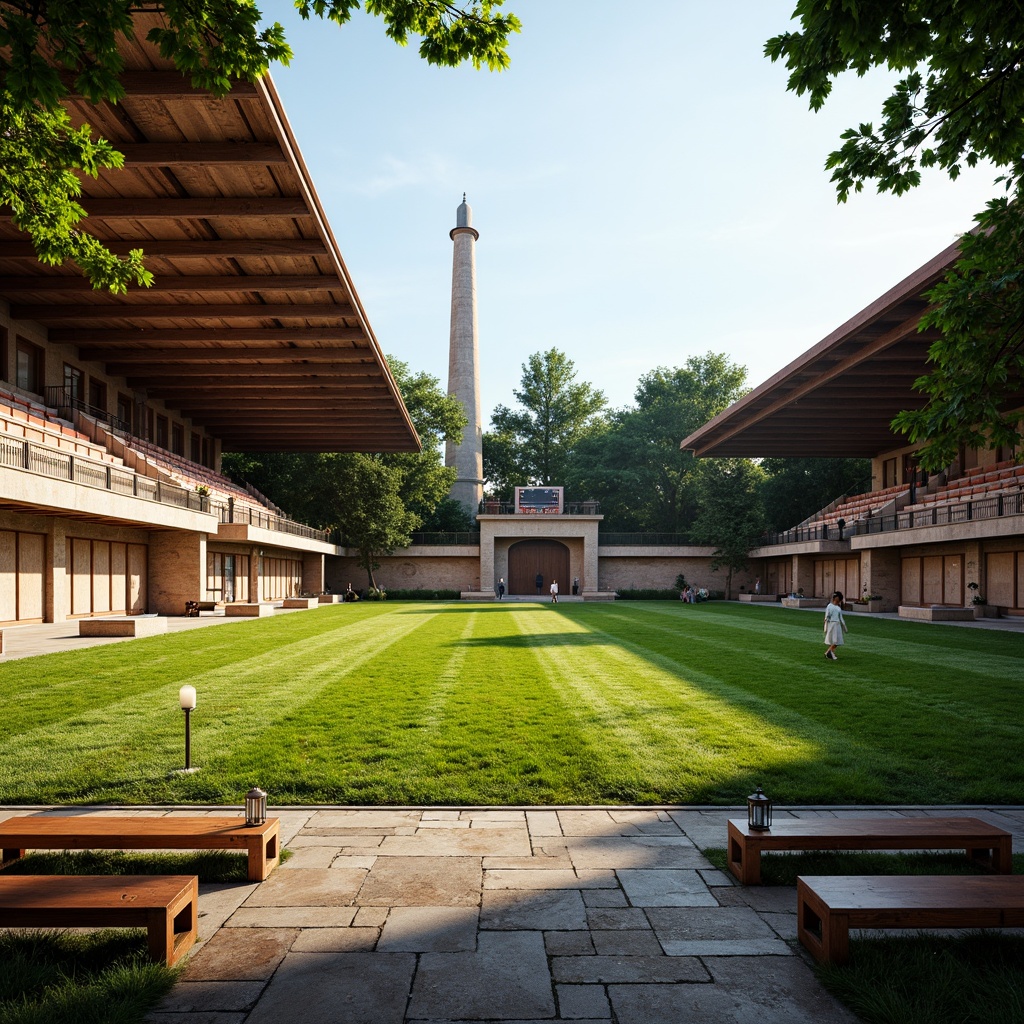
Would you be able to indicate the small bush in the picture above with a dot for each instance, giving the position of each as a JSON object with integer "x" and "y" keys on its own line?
{"x": 423, "y": 595}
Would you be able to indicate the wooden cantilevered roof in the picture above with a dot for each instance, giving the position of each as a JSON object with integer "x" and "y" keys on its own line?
{"x": 253, "y": 328}
{"x": 837, "y": 399}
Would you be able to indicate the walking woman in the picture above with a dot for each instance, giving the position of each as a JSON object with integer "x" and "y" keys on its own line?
{"x": 835, "y": 625}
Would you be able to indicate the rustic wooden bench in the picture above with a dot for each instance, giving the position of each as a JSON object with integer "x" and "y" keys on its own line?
{"x": 828, "y": 907}
{"x": 165, "y": 905}
{"x": 97, "y": 832}
{"x": 984, "y": 843}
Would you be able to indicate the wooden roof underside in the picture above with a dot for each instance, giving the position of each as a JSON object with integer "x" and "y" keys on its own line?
{"x": 253, "y": 328}
{"x": 838, "y": 399}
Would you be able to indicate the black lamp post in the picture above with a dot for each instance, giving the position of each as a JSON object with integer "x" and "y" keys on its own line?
{"x": 187, "y": 700}
{"x": 759, "y": 812}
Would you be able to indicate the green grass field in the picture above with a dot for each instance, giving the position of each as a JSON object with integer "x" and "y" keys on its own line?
{"x": 632, "y": 702}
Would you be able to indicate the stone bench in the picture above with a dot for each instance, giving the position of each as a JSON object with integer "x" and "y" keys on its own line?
{"x": 985, "y": 843}
{"x": 330, "y": 599}
{"x": 760, "y": 598}
{"x": 827, "y": 907}
{"x": 167, "y": 906}
{"x": 937, "y": 613}
{"x": 110, "y": 832}
{"x": 254, "y": 610}
{"x": 144, "y": 625}
{"x": 300, "y": 602}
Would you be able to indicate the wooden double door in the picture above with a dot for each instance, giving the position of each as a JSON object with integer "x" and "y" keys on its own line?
{"x": 527, "y": 558}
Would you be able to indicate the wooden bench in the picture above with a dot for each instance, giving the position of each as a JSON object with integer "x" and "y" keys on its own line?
{"x": 95, "y": 832}
{"x": 985, "y": 843}
{"x": 827, "y": 907}
{"x": 165, "y": 905}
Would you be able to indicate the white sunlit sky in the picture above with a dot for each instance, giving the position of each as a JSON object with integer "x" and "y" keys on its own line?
{"x": 644, "y": 186}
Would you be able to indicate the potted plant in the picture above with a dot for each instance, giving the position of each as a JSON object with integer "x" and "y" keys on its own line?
{"x": 978, "y": 602}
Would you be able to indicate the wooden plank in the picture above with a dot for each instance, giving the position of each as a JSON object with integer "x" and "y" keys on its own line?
{"x": 85, "y": 832}
{"x": 167, "y": 906}
{"x": 192, "y": 154}
{"x": 185, "y": 285}
{"x": 981, "y": 840}
{"x": 183, "y": 311}
{"x": 213, "y": 333}
{"x": 827, "y": 907}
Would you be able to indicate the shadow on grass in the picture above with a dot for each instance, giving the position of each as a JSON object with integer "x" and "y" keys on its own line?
{"x": 48, "y": 977}
{"x": 207, "y": 865}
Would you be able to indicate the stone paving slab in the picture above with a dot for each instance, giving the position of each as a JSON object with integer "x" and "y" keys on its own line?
{"x": 455, "y": 916}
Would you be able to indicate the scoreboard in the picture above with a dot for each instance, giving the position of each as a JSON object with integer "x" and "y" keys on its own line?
{"x": 539, "y": 500}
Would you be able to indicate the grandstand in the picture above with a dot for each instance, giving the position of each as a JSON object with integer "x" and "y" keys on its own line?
{"x": 115, "y": 409}
{"x": 916, "y": 540}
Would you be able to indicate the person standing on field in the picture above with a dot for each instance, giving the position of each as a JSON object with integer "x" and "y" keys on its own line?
{"x": 540, "y": 583}
{"x": 554, "y": 591}
{"x": 835, "y": 625}
{"x": 501, "y": 587}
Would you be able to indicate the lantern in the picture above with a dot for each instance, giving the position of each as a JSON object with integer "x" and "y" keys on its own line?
{"x": 759, "y": 812}
{"x": 255, "y": 807}
{"x": 187, "y": 700}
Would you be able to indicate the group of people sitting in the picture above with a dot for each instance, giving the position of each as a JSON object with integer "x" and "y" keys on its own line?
{"x": 691, "y": 594}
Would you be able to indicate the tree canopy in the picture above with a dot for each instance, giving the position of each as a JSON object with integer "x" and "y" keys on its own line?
{"x": 635, "y": 467}
{"x": 534, "y": 443}
{"x": 959, "y": 101}
{"x": 51, "y": 48}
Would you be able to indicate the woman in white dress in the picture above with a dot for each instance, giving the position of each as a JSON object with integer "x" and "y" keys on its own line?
{"x": 835, "y": 625}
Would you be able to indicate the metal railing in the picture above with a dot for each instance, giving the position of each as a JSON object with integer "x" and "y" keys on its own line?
{"x": 995, "y": 507}
{"x": 449, "y": 538}
{"x": 58, "y": 465}
{"x": 248, "y": 515}
{"x": 63, "y": 399}
{"x": 570, "y": 508}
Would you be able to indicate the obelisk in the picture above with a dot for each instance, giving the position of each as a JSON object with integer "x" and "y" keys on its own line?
{"x": 463, "y": 365}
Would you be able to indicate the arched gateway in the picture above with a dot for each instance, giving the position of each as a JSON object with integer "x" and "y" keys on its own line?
{"x": 529, "y": 557}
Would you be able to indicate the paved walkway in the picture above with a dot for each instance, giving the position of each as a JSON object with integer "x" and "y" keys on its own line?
{"x": 394, "y": 916}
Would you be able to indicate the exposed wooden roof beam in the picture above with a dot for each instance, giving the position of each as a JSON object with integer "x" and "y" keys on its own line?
{"x": 173, "y": 208}
{"x": 196, "y": 154}
{"x": 198, "y": 248}
{"x": 241, "y": 354}
{"x": 235, "y": 335}
{"x": 178, "y": 311}
{"x": 172, "y": 284}
{"x": 255, "y": 371}
{"x": 165, "y": 85}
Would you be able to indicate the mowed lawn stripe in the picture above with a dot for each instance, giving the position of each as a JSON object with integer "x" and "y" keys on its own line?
{"x": 706, "y": 736}
{"x": 863, "y": 702}
{"x": 134, "y": 740}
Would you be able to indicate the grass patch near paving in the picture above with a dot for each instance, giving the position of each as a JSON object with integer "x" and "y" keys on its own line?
{"x": 102, "y": 977}
{"x": 452, "y": 703}
{"x": 931, "y": 979}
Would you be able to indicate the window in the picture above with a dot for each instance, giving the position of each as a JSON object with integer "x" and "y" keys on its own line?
{"x": 889, "y": 473}
{"x": 177, "y": 439}
{"x": 74, "y": 384}
{"x": 5, "y": 369}
{"x": 30, "y": 368}
{"x": 124, "y": 410}
{"x": 161, "y": 431}
{"x": 196, "y": 453}
{"x": 97, "y": 394}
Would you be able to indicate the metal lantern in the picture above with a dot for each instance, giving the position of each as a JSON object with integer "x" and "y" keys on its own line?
{"x": 759, "y": 812}
{"x": 255, "y": 807}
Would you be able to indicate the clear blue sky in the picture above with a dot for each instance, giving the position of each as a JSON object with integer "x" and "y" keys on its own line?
{"x": 644, "y": 187}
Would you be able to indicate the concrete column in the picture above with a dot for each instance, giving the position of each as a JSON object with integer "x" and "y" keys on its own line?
{"x": 463, "y": 365}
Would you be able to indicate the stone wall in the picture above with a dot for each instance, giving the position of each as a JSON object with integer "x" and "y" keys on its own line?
{"x": 631, "y": 572}
{"x": 408, "y": 571}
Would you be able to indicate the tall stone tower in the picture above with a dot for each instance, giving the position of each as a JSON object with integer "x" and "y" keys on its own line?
{"x": 463, "y": 365}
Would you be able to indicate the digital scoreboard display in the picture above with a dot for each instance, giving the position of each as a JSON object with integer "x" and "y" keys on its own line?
{"x": 539, "y": 500}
